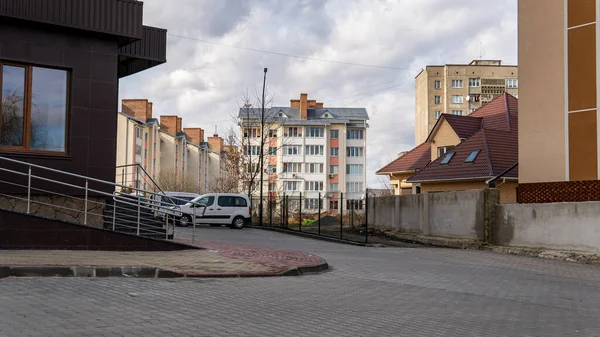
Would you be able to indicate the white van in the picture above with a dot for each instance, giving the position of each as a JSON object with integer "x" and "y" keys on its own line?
{"x": 168, "y": 199}
{"x": 234, "y": 210}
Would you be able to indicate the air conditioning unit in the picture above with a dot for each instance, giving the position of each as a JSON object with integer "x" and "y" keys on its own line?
{"x": 331, "y": 175}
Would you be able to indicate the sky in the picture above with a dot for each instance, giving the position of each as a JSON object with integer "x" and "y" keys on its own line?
{"x": 210, "y": 67}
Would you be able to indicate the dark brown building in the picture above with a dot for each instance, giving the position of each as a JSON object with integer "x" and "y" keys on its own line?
{"x": 60, "y": 65}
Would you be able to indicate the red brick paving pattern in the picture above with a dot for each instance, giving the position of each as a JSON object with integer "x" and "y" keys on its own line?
{"x": 278, "y": 260}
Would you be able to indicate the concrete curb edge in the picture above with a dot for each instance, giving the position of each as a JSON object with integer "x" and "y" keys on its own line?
{"x": 315, "y": 236}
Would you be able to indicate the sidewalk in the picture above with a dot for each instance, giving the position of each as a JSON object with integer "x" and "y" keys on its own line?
{"x": 216, "y": 260}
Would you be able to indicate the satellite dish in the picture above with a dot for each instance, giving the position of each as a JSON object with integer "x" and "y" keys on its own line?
{"x": 468, "y": 98}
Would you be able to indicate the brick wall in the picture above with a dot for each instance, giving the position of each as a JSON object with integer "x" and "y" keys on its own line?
{"x": 303, "y": 106}
{"x": 139, "y": 109}
{"x": 216, "y": 144}
{"x": 567, "y": 191}
{"x": 169, "y": 124}
{"x": 195, "y": 135}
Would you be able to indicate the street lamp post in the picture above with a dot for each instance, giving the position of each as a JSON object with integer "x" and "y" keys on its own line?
{"x": 262, "y": 146}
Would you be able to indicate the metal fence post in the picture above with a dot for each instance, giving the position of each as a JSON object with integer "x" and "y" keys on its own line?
{"x": 319, "y": 219}
{"x": 341, "y": 215}
{"x": 270, "y": 212}
{"x": 300, "y": 211}
{"x": 194, "y": 224}
{"x": 114, "y": 219}
{"x": 367, "y": 217}
{"x": 287, "y": 211}
{"x": 29, "y": 191}
{"x": 85, "y": 203}
{"x": 139, "y": 213}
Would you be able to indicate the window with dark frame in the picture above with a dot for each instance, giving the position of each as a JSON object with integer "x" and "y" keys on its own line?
{"x": 34, "y": 110}
{"x": 472, "y": 156}
{"x": 447, "y": 158}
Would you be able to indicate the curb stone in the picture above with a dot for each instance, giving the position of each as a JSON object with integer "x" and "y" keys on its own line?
{"x": 318, "y": 237}
{"x": 141, "y": 272}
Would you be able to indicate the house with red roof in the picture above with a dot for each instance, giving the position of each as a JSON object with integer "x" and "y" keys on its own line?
{"x": 465, "y": 153}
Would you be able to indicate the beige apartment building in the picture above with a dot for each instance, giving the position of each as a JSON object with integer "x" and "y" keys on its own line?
{"x": 313, "y": 151}
{"x": 459, "y": 89}
{"x": 559, "y": 140}
{"x": 161, "y": 152}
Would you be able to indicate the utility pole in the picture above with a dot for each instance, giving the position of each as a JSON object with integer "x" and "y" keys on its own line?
{"x": 262, "y": 148}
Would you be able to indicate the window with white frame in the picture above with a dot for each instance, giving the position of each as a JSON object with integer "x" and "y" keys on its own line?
{"x": 252, "y": 150}
{"x": 334, "y": 169}
{"x": 314, "y": 150}
{"x": 354, "y": 204}
{"x": 291, "y": 186}
{"x": 474, "y": 82}
{"x": 354, "y": 151}
{"x": 273, "y": 133}
{"x": 457, "y": 83}
{"x": 438, "y": 99}
{"x": 334, "y": 151}
{"x": 334, "y": 134}
{"x": 292, "y": 167}
{"x": 315, "y": 132}
{"x": 272, "y": 186}
{"x": 292, "y": 150}
{"x": 355, "y": 134}
{"x": 252, "y": 132}
{"x": 272, "y": 169}
{"x": 354, "y": 187}
{"x": 293, "y": 132}
{"x": 314, "y": 168}
{"x": 457, "y": 112}
{"x": 311, "y": 203}
{"x": 512, "y": 83}
{"x": 334, "y": 187}
{"x": 354, "y": 169}
{"x": 437, "y": 114}
{"x": 457, "y": 99}
{"x": 313, "y": 186}
{"x": 272, "y": 151}
{"x": 437, "y": 84}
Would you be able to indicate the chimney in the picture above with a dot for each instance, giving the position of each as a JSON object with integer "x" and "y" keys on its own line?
{"x": 196, "y": 135}
{"x": 295, "y": 103}
{"x": 304, "y": 106}
{"x": 169, "y": 124}
{"x": 178, "y": 125}
{"x": 148, "y": 110}
{"x": 319, "y": 105}
{"x": 216, "y": 143}
{"x": 137, "y": 108}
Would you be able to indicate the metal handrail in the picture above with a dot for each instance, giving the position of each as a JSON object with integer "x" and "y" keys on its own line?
{"x": 156, "y": 208}
{"x": 146, "y": 173}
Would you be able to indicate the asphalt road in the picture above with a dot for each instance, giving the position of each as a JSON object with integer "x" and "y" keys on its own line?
{"x": 368, "y": 292}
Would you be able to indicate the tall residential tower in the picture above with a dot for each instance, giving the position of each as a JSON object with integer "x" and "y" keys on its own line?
{"x": 459, "y": 89}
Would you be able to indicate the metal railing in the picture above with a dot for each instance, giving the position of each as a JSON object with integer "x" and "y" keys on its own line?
{"x": 57, "y": 194}
{"x": 334, "y": 216}
{"x": 138, "y": 177}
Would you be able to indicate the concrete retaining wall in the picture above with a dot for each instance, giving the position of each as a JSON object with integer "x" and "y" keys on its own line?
{"x": 562, "y": 226}
{"x": 461, "y": 214}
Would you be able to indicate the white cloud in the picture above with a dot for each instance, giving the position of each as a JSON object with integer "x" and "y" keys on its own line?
{"x": 203, "y": 82}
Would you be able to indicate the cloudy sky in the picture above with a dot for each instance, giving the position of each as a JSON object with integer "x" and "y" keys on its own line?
{"x": 388, "y": 41}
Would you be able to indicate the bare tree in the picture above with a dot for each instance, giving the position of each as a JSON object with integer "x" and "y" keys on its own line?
{"x": 169, "y": 180}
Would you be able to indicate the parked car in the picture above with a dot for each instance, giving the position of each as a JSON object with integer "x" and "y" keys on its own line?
{"x": 216, "y": 209}
{"x": 172, "y": 199}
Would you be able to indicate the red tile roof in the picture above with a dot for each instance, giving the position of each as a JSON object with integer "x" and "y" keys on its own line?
{"x": 464, "y": 126}
{"x": 496, "y": 141}
{"x": 414, "y": 160}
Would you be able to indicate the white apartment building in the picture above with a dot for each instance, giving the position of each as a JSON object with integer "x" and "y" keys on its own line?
{"x": 160, "y": 152}
{"x": 311, "y": 151}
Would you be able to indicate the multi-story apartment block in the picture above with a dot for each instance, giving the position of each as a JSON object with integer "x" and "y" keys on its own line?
{"x": 310, "y": 149}
{"x": 459, "y": 89}
{"x": 160, "y": 151}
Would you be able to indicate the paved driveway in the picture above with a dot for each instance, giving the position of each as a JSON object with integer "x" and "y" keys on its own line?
{"x": 368, "y": 292}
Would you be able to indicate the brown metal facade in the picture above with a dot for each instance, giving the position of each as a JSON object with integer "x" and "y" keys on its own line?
{"x": 90, "y": 51}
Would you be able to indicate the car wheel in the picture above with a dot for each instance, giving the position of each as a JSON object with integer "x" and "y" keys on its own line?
{"x": 238, "y": 222}
{"x": 185, "y": 221}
